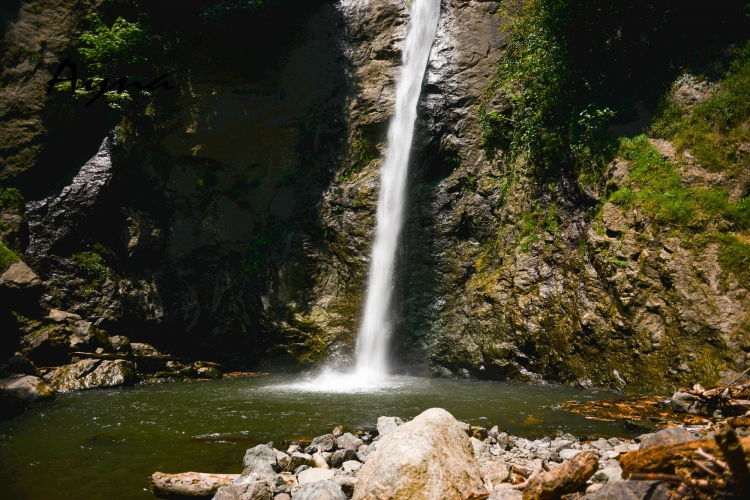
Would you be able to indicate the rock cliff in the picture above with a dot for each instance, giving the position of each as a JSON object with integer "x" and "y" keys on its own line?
{"x": 238, "y": 227}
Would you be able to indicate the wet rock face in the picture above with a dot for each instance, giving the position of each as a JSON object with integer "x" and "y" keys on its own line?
{"x": 90, "y": 374}
{"x": 253, "y": 229}
{"x": 54, "y": 221}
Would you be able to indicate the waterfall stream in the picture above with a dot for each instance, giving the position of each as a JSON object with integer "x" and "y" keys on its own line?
{"x": 376, "y": 327}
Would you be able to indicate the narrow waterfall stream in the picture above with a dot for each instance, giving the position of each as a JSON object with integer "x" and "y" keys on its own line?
{"x": 376, "y": 328}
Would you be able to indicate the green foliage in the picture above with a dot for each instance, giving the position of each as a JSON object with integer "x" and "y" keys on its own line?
{"x": 734, "y": 257}
{"x": 11, "y": 198}
{"x": 656, "y": 187}
{"x": 360, "y": 148}
{"x": 540, "y": 219}
{"x": 7, "y": 257}
{"x": 571, "y": 67}
{"x": 119, "y": 47}
{"x": 714, "y": 129}
{"x": 93, "y": 264}
{"x": 258, "y": 251}
{"x": 468, "y": 184}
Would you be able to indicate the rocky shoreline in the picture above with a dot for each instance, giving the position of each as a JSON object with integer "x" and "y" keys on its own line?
{"x": 435, "y": 456}
{"x": 63, "y": 352}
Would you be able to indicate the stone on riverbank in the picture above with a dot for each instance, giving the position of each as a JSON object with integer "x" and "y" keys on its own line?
{"x": 428, "y": 458}
{"x": 313, "y": 475}
{"x": 256, "y": 490}
{"x": 26, "y": 388}
{"x": 631, "y": 490}
{"x": 262, "y": 453}
{"x": 386, "y": 425}
{"x": 320, "y": 490}
{"x": 92, "y": 373}
{"x": 667, "y": 437}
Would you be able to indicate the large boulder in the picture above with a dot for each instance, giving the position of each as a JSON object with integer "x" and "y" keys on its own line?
{"x": 428, "y": 458}
{"x": 92, "y": 373}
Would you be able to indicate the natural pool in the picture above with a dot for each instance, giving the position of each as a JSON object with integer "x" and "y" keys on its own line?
{"x": 105, "y": 444}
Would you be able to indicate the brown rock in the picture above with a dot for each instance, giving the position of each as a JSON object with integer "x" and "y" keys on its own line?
{"x": 614, "y": 218}
{"x": 19, "y": 275}
{"x": 565, "y": 479}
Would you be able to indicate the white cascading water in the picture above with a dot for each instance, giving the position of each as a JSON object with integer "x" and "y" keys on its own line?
{"x": 376, "y": 327}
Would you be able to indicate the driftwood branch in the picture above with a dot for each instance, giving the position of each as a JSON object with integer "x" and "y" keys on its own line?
{"x": 732, "y": 450}
{"x": 189, "y": 484}
{"x": 96, "y": 355}
{"x": 664, "y": 459}
{"x": 157, "y": 357}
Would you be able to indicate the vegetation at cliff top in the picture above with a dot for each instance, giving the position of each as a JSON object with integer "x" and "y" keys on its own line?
{"x": 572, "y": 69}
{"x": 713, "y": 130}
{"x": 110, "y": 49}
{"x": 7, "y": 257}
{"x": 11, "y": 198}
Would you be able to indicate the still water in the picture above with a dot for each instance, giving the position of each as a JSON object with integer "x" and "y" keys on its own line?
{"x": 105, "y": 444}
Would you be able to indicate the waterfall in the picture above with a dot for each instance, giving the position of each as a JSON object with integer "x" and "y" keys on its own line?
{"x": 376, "y": 328}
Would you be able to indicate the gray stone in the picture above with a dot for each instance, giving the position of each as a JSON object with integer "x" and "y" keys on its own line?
{"x": 631, "y": 490}
{"x": 326, "y": 442}
{"x": 261, "y": 453}
{"x": 506, "y": 494}
{"x": 567, "y": 454}
{"x": 684, "y": 402}
{"x": 92, "y": 373}
{"x": 298, "y": 459}
{"x": 320, "y": 490}
{"x": 314, "y": 474}
{"x": 19, "y": 275}
{"x": 347, "y": 484}
{"x": 120, "y": 344}
{"x": 614, "y": 219}
{"x": 351, "y": 466}
{"x": 667, "y": 437}
{"x": 428, "y": 458}
{"x": 144, "y": 350}
{"x": 608, "y": 475}
{"x": 26, "y": 388}
{"x": 386, "y": 425}
{"x": 341, "y": 456}
{"x": 348, "y": 441}
{"x": 258, "y": 490}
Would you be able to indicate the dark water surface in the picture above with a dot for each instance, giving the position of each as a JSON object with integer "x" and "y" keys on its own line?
{"x": 105, "y": 444}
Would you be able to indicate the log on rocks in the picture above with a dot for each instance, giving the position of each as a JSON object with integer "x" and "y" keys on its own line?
{"x": 189, "y": 484}
{"x": 567, "y": 478}
{"x": 97, "y": 355}
{"x": 663, "y": 459}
